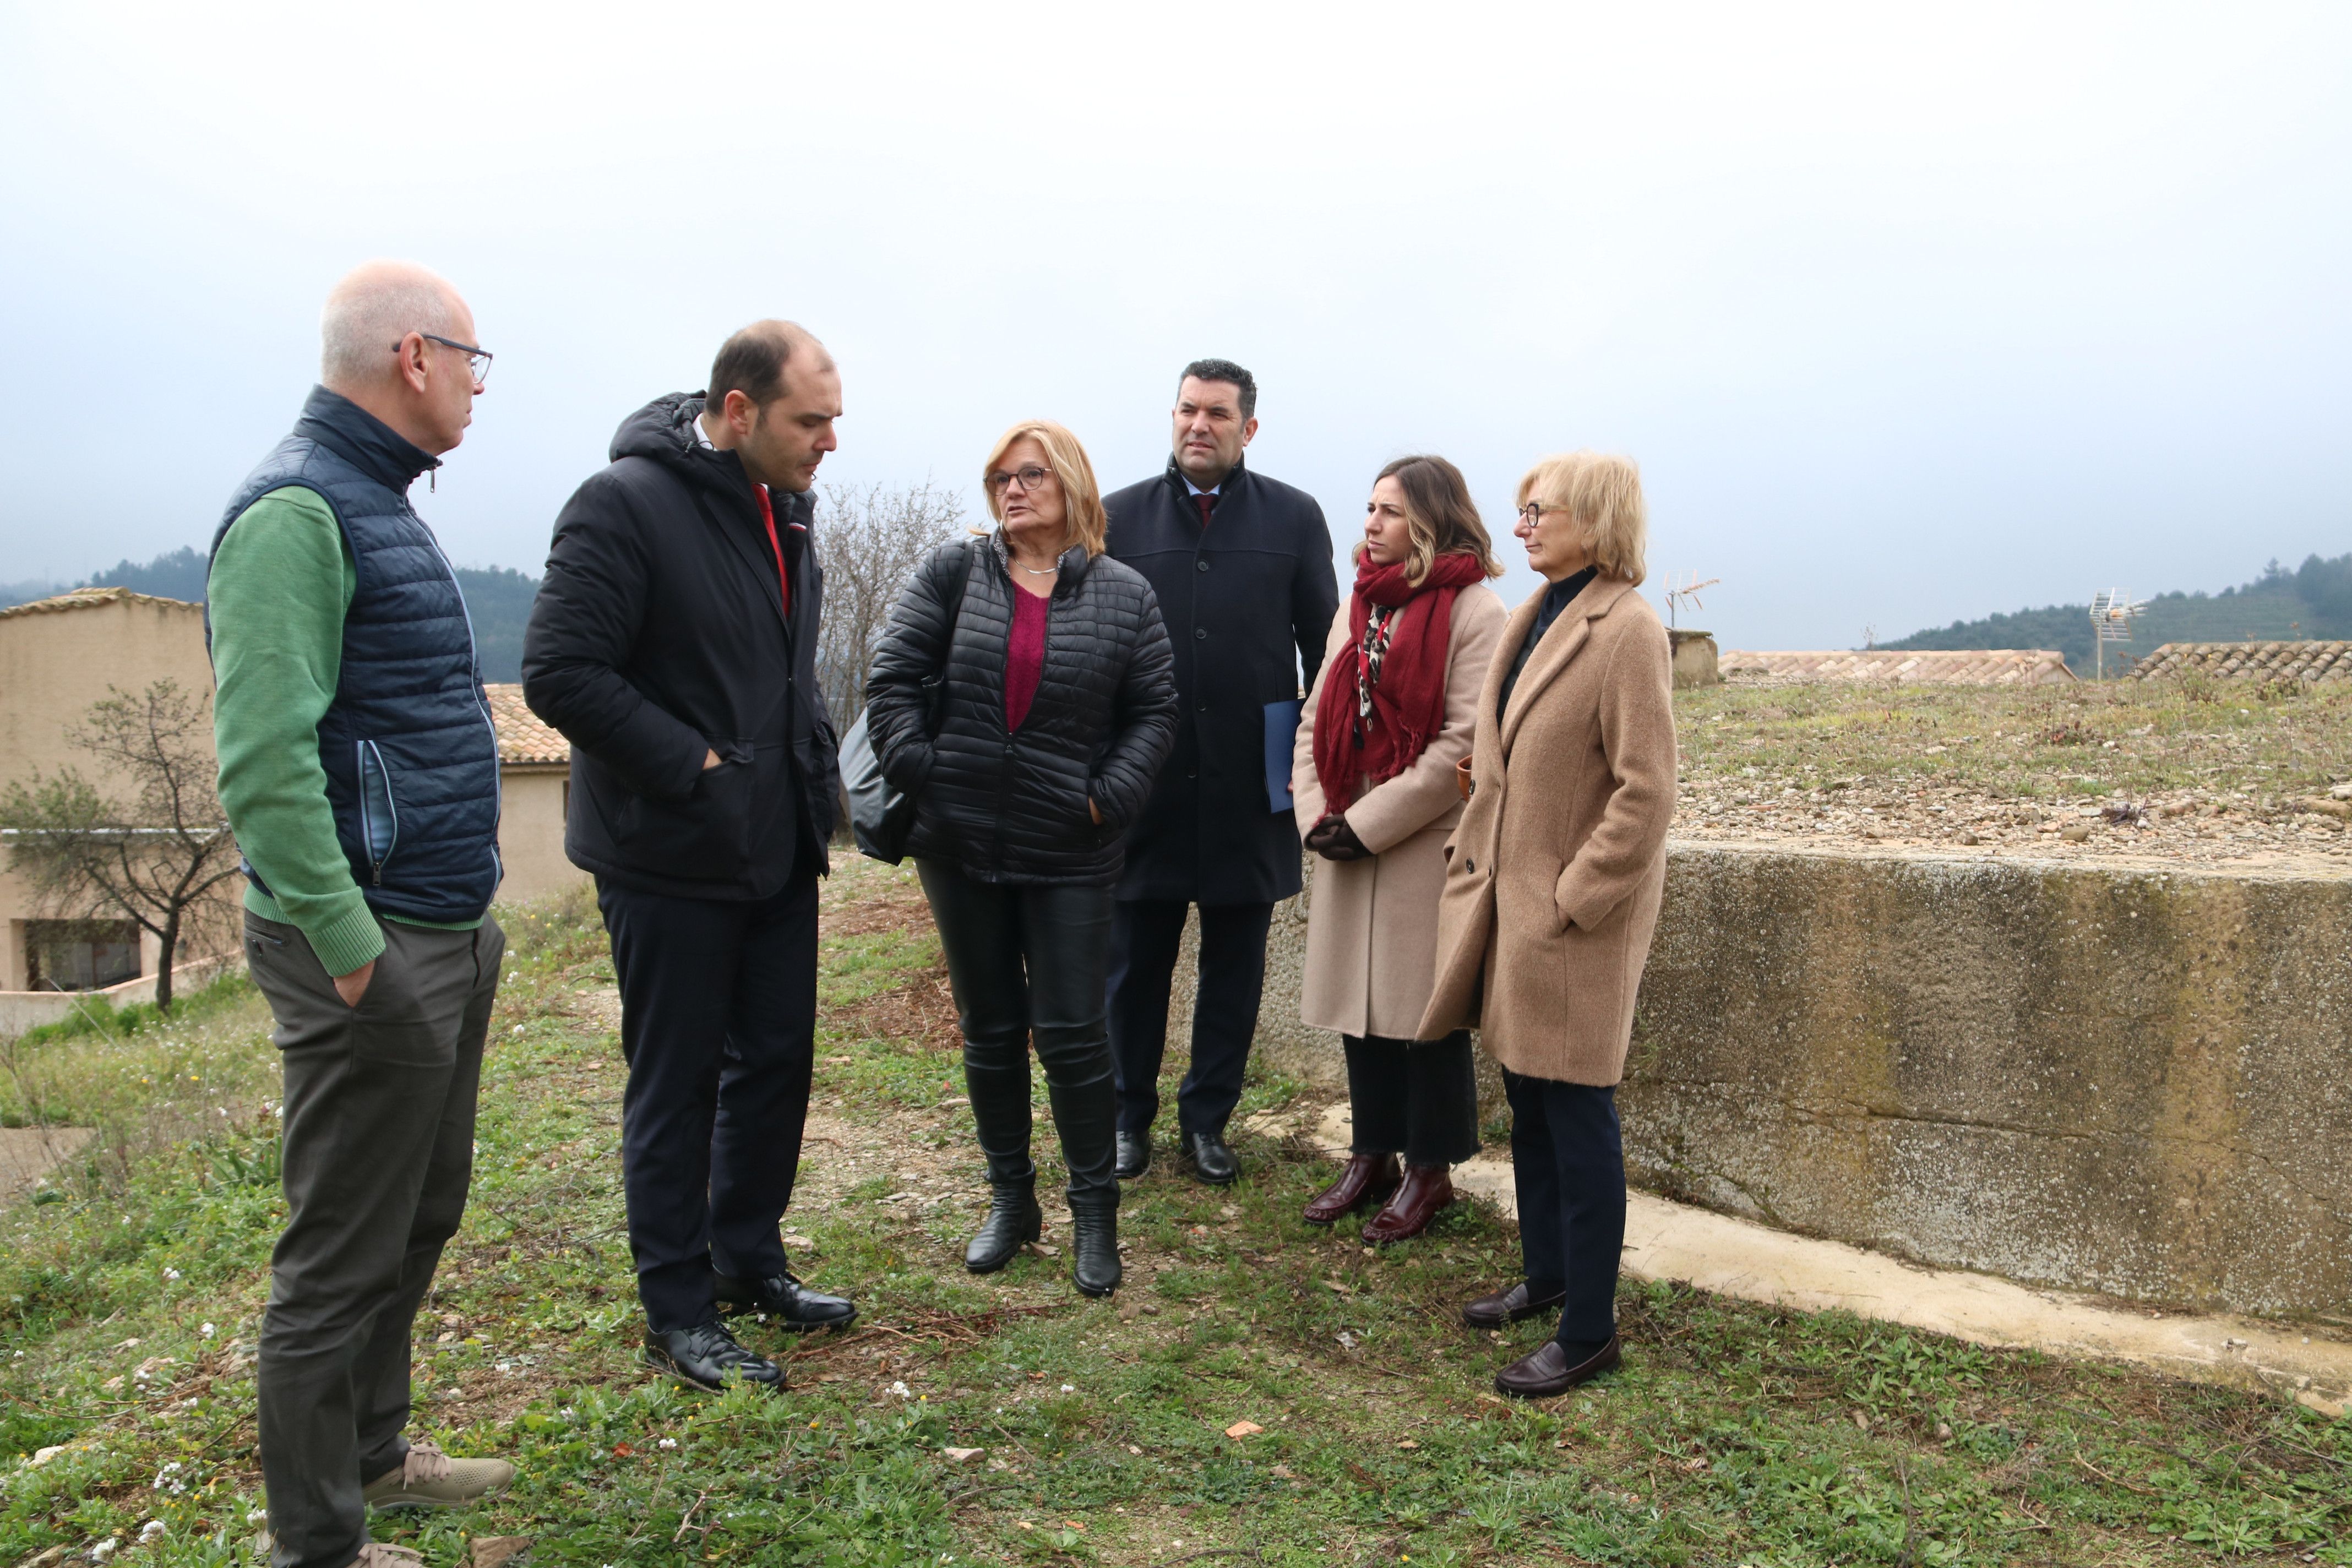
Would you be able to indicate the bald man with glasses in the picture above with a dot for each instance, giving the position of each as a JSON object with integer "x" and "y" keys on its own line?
{"x": 360, "y": 772}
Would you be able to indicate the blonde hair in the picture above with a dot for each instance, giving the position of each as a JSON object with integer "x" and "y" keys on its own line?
{"x": 1601, "y": 493}
{"x": 1081, "y": 497}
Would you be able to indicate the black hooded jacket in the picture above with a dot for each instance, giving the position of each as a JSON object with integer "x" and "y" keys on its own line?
{"x": 1011, "y": 805}
{"x": 660, "y": 633}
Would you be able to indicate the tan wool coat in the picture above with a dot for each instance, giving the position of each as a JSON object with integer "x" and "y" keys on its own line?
{"x": 1554, "y": 874}
{"x": 1371, "y": 931}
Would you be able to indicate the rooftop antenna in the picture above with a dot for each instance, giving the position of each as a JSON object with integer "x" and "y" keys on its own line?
{"x": 2113, "y": 610}
{"x": 1685, "y": 594}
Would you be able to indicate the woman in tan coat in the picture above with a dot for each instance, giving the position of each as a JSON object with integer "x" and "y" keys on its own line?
{"x": 1373, "y": 773}
{"x": 1551, "y": 893}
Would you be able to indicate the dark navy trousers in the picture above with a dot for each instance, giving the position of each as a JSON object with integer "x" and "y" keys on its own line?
{"x": 1145, "y": 935}
{"x": 718, "y": 1024}
{"x": 1568, "y": 1161}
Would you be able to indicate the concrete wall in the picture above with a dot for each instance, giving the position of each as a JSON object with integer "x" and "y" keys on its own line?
{"x": 531, "y": 832}
{"x": 2137, "y": 1081}
{"x": 54, "y": 663}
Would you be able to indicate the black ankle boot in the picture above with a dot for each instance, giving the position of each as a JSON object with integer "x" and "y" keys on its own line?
{"x": 1014, "y": 1221}
{"x": 1094, "y": 1247}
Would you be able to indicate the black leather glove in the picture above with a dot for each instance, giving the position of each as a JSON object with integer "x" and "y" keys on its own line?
{"x": 1334, "y": 840}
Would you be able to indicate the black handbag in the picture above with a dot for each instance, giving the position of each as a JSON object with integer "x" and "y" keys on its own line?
{"x": 882, "y": 816}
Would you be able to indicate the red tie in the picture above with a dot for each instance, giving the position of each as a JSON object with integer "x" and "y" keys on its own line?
{"x": 768, "y": 516}
{"x": 1205, "y": 501}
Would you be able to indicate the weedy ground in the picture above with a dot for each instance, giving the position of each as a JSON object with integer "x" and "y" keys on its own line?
{"x": 2198, "y": 769}
{"x": 1735, "y": 1434}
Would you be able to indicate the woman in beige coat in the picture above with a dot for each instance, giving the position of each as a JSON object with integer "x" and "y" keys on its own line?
{"x": 1373, "y": 773}
{"x": 1551, "y": 893}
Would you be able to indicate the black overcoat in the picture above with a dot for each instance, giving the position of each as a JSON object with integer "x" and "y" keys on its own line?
{"x": 660, "y": 635}
{"x": 1248, "y": 601}
{"x": 1012, "y": 805}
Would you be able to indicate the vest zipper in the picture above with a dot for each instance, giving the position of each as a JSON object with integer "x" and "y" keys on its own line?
{"x": 380, "y": 840}
{"x": 474, "y": 674}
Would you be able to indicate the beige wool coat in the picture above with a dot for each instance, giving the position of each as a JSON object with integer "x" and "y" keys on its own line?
{"x": 1554, "y": 873}
{"x": 1371, "y": 930}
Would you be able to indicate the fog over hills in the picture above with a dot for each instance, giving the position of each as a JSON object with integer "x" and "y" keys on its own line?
{"x": 2313, "y": 601}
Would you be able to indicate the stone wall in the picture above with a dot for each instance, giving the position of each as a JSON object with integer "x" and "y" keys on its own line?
{"x": 2133, "y": 1081}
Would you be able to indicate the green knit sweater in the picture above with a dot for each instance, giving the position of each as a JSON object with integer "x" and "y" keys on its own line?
{"x": 280, "y": 584}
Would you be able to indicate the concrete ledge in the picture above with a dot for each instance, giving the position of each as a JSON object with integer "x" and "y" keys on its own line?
{"x": 2127, "y": 1078}
{"x": 1672, "y": 1241}
{"x": 23, "y": 1010}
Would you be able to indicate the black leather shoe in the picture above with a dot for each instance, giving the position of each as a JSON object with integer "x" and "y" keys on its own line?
{"x": 707, "y": 1357}
{"x": 1211, "y": 1161}
{"x": 1548, "y": 1371}
{"x": 784, "y": 1298}
{"x": 1507, "y": 1306}
{"x": 1014, "y": 1221}
{"x": 1095, "y": 1266}
{"x": 1134, "y": 1155}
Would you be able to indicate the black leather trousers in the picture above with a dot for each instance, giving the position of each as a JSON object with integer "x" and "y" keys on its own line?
{"x": 1027, "y": 962}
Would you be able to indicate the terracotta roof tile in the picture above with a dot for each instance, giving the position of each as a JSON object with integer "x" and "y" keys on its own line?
{"x": 523, "y": 737}
{"x": 90, "y": 598}
{"x": 1939, "y": 667}
{"x": 2306, "y": 661}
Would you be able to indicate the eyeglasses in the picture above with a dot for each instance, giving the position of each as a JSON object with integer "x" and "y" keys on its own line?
{"x": 1031, "y": 477}
{"x": 478, "y": 360}
{"x": 1533, "y": 512}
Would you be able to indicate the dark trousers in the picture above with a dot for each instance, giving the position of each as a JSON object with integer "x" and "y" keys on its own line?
{"x": 1145, "y": 934}
{"x": 378, "y": 1150}
{"x": 1569, "y": 1163}
{"x": 1026, "y": 964}
{"x": 1414, "y": 1098}
{"x": 718, "y": 1024}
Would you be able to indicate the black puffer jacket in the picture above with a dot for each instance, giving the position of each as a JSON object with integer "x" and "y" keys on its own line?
{"x": 1012, "y": 807}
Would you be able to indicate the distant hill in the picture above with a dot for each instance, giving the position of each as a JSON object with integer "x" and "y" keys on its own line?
{"x": 497, "y": 597}
{"x": 2313, "y": 601}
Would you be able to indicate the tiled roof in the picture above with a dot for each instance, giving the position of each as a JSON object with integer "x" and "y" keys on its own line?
{"x": 2307, "y": 661}
{"x": 523, "y": 736}
{"x": 1940, "y": 667}
{"x": 90, "y": 598}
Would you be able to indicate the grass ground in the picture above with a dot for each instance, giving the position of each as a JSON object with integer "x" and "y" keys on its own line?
{"x": 1098, "y": 1432}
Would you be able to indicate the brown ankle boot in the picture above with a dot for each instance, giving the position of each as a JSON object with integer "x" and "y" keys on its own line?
{"x": 1426, "y": 1189}
{"x": 1369, "y": 1178}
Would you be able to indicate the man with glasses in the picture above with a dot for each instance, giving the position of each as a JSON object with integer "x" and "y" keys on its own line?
{"x": 1242, "y": 564}
{"x": 674, "y": 643}
{"x": 360, "y": 772}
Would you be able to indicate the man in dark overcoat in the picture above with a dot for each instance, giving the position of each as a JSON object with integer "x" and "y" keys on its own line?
{"x": 1242, "y": 564}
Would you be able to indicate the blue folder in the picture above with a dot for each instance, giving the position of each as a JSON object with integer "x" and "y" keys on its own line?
{"x": 1281, "y": 735}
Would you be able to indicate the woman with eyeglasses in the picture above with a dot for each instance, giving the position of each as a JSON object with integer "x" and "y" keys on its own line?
{"x": 1552, "y": 887}
{"x": 1024, "y": 695}
{"x": 1373, "y": 773}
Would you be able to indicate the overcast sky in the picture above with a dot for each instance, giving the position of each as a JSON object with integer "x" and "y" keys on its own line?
{"x": 1908, "y": 313}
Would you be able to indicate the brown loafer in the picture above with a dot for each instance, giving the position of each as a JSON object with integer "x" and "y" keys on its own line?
{"x": 1426, "y": 1189}
{"x": 1504, "y": 1307}
{"x": 1546, "y": 1373}
{"x": 1367, "y": 1179}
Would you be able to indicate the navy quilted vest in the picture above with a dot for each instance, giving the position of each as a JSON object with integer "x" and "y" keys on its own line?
{"x": 411, "y": 757}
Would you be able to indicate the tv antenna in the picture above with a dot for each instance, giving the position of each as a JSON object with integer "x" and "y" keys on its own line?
{"x": 1685, "y": 594}
{"x": 2113, "y": 610}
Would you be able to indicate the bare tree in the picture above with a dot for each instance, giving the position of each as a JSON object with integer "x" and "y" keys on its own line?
{"x": 871, "y": 541}
{"x": 164, "y": 859}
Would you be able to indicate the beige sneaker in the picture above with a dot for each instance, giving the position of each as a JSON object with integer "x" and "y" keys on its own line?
{"x": 376, "y": 1554}
{"x": 431, "y": 1479}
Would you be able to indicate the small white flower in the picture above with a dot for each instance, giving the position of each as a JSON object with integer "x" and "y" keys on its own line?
{"x": 517, "y": 1029}
{"x": 256, "y": 1516}
{"x": 669, "y": 1442}
{"x": 171, "y": 1274}
{"x": 901, "y": 1390}
{"x": 1069, "y": 1388}
{"x": 206, "y": 1330}
{"x": 567, "y": 1413}
{"x": 150, "y": 1529}
{"x": 104, "y": 1549}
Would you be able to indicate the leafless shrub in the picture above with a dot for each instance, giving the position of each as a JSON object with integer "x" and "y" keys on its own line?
{"x": 164, "y": 859}
{"x": 871, "y": 541}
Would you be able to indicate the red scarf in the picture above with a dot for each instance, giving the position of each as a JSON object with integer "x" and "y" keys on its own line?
{"x": 1408, "y": 700}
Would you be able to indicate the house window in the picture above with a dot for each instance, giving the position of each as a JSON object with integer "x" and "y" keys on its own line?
{"x": 80, "y": 955}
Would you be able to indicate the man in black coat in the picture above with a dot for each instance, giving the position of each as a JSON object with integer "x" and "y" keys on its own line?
{"x": 674, "y": 644}
{"x": 1242, "y": 564}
